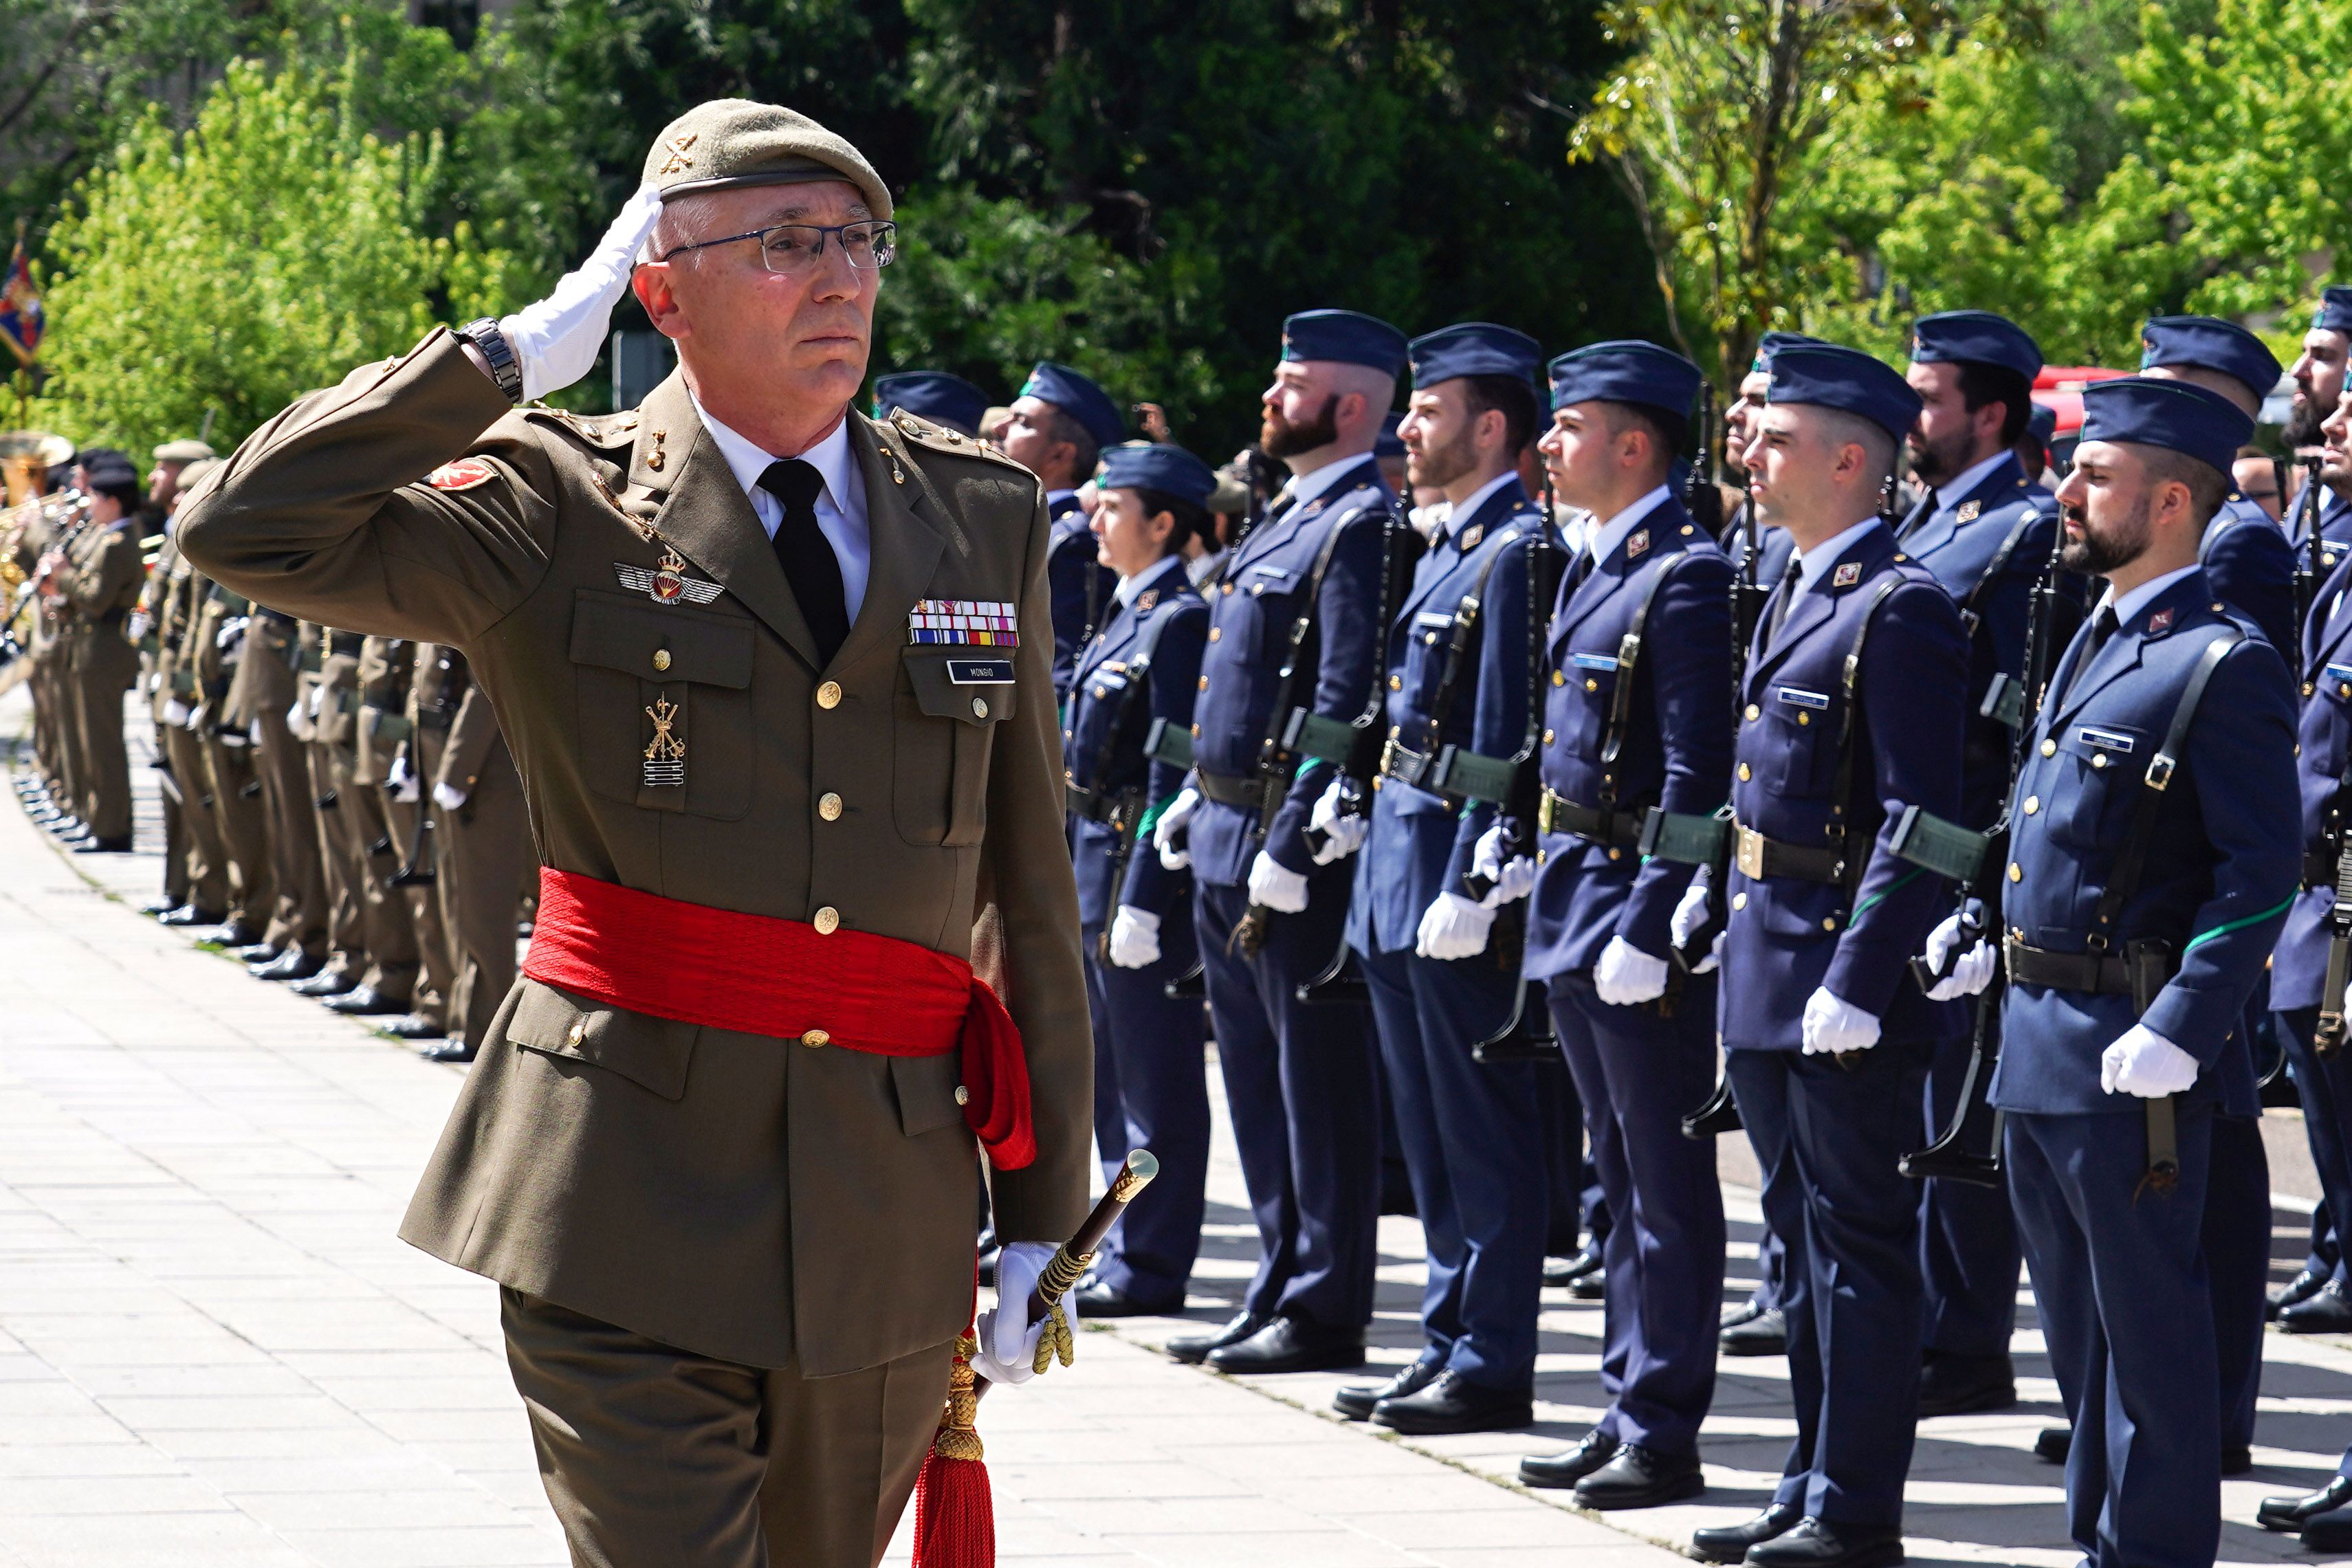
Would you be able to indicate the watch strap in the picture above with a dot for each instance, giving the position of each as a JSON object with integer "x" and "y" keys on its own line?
{"x": 484, "y": 334}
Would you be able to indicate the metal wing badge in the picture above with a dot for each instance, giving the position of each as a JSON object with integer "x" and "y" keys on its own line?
{"x": 666, "y": 582}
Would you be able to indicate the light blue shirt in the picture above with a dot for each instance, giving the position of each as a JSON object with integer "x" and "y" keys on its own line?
{"x": 840, "y": 506}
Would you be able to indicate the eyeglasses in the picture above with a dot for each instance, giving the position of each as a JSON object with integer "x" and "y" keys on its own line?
{"x": 795, "y": 249}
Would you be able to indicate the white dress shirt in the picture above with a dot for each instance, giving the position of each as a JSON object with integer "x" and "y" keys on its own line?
{"x": 840, "y": 506}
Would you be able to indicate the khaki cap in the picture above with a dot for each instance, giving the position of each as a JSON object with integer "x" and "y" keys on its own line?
{"x": 183, "y": 452}
{"x": 732, "y": 141}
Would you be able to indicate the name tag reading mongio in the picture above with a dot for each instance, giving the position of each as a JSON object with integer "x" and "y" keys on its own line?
{"x": 980, "y": 672}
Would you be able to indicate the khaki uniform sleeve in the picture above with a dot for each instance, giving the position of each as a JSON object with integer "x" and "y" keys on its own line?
{"x": 325, "y": 512}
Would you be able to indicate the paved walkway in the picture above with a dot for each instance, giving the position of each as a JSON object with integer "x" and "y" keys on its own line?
{"x": 215, "y": 1351}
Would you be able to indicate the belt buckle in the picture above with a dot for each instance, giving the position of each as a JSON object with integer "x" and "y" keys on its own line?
{"x": 1750, "y": 852}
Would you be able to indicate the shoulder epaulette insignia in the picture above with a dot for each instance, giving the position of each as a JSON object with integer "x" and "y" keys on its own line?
{"x": 1968, "y": 510}
{"x": 463, "y": 475}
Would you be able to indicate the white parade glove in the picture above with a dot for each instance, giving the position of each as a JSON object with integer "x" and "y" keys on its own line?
{"x": 1625, "y": 975}
{"x": 1276, "y": 885}
{"x": 1689, "y": 915}
{"x": 448, "y": 797}
{"x": 176, "y": 714}
{"x": 1343, "y": 830}
{"x": 556, "y": 342}
{"x": 318, "y": 695}
{"x": 403, "y": 783}
{"x": 1834, "y": 1026}
{"x": 1173, "y": 856}
{"x": 1134, "y": 937}
{"x": 1971, "y": 975}
{"x": 1453, "y": 927}
{"x": 253, "y": 732}
{"x": 2145, "y": 1063}
{"x": 1514, "y": 880}
{"x": 1008, "y": 1345}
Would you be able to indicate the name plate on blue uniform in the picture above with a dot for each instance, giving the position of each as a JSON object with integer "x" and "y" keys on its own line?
{"x": 1798, "y": 697}
{"x": 980, "y": 672}
{"x": 1594, "y": 661}
{"x": 2339, "y": 672}
{"x": 2104, "y": 739}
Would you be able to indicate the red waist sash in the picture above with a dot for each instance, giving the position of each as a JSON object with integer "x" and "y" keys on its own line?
{"x": 757, "y": 974}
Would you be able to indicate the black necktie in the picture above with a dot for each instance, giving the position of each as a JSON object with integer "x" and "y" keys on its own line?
{"x": 1789, "y": 577}
{"x": 2101, "y": 627}
{"x": 806, "y": 555}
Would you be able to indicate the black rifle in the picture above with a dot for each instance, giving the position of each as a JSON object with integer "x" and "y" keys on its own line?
{"x": 2311, "y": 568}
{"x": 1975, "y": 860}
{"x": 1701, "y": 499}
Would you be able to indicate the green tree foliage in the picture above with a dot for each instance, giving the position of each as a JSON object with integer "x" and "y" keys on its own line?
{"x": 233, "y": 267}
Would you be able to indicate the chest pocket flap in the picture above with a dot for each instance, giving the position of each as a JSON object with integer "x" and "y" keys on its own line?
{"x": 649, "y": 1052}
{"x": 941, "y": 694}
{"x": 695, "y": 645}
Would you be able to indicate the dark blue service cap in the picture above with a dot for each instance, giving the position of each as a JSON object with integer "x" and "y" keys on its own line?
{"x": 1078, "y": 396}
{"x": 108, "y": 468}
{"x": 1975, "y": 337}
{"x": 1389, "y": 444}
{"x": 1349, "y": 337}
{"x": 1833, "y": 376}
{"x": 1169, "y": 469}
{"x": 934, "y": 395}
{"x": 2042, "y": 423}
{"x": 2213, "y": 344}
{"x": 2175, "y": 415}
{"x": 1771, "y": 343}
{"x": 2335, "y": 312}
{"x": 1473, "y": 348}
{"x": 1626, "y": 370}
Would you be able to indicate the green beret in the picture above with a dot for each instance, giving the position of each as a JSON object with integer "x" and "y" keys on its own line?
{"x": 732, "y": 141}
{"x": 183, "y": 452}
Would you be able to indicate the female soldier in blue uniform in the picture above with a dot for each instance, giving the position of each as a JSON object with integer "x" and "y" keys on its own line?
{"x": 1137, "y": 914}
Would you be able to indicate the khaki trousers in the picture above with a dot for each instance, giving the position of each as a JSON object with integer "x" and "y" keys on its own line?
{"x": 207, "y": 863}
{"x": 655, "y": 1455}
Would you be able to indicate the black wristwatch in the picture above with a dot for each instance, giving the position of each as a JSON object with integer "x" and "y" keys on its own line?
{"x": 484, "y": 334}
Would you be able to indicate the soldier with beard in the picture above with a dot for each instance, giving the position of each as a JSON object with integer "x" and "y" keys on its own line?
{"x": 2318, "y": 374}
{"x": 1058, "y": 427}
{"x": 1302, "y": 591}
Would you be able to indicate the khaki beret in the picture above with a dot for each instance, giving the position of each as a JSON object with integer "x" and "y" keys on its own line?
{"x": 732, "y": 141}
{"x": 1231, "y": 494}
{"x": 183, "y": 452}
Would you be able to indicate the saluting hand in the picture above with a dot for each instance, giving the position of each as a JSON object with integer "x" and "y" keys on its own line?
{"x": 555, "y": 341}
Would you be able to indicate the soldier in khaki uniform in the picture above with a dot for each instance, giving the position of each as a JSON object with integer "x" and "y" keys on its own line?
{"x": 482, "y": 835}
{"x": 330, "y": 708}
{"x": 264, "y": 688}
{"x": 199, "y": 860}
{"x": 242, "y": 820}
{"x": 776, "y": 680}
{"x": 387, "y": 767}
{"x": 96, "y": 585}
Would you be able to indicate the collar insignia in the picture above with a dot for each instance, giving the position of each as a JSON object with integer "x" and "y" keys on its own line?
{"x": 1846, "y": 575}
{"x": 1146, "y": 600}
{"x": 1968, "y": 510}
{"x": 1639, "y": 542}
{"x": 2159, "y": 622}
{"x": 1315, "y": 506}
{"x": 1471, "y": 536}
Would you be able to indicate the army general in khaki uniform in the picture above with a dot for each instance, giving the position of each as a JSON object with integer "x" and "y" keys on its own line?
{"x": 776, "y": 680}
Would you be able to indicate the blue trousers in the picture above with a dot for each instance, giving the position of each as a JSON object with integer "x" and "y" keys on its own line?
{"x": 1639, "y": 1071}
{"x": 2237, "y": 1238}
{"x": 1299, "y": 1083}
{"x": 1154, "y": 1048}
{"x": 2326, "y": 1090}
{"x": 1968, "y": 1234}
{"x": 2119, "y": 1276}
{"x": 1473, "y": 1141}
{"x": 1827, "y": 1138}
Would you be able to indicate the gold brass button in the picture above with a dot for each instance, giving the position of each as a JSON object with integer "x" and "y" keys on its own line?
{"x": 1547, "y": 740}
{"x": 828, "y": 806}
{"x": 1829, "y": 922}
{"x": 1205, "y": 682}
{"x": 1591, "y": 685}
{"x": 1616, "y": 854}
{"x": 1754, "y": 712}
{"x": 1228, "y": 588}
{"x": 964, "y": 1095}
{"x": 2098, "y": 759}
{"x": 827, "y": 920}
{"x": 1196, "y": 732}
{"x": 816, "y": 1037}
{"x": 1743, "y": 773}
{"x": 1558, "y": 679}
{"x": 1738, "y": 900}
{"x": 2016, "y": 871}
{"x": 2032, "y": 804}
{"x": 661, "y": 658}
{"x": 2049, "y": 748}
{"x": 1804, "y": 718}
{"x": 980, "y": 707}
{"x": 2308, "y": 688}
{"x": 579, "y": 1032}
{"x": 1396, "y": 682}
{"x": 1101, "y": 692}
{"x": 829, "y": 694}
{"x": 1216, "y": 633}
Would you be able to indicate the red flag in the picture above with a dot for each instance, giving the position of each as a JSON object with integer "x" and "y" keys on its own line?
{"x": 20, "y": 309}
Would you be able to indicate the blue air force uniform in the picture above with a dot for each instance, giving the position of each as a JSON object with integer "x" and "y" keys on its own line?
{"x": 1472, "y": 1134}
{"x": 1147, "y": 1045}
{"x": 1298, "y": 1076}
{"x": 934, "y": 395}
{"x": 1817, "y": 901}
{"x": 2117, "y": 1262}
{"x": 1987, "y": 534}
{"x": 1078, "y": 586}
{"x": 1639, "y": 1068}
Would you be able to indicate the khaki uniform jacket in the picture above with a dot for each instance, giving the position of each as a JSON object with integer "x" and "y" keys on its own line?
{"x": 265, "y": 682}
{"x": 101, "y": 579}
{"x": 744, "y": 1197}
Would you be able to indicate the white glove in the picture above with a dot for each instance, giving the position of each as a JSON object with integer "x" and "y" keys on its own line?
{"x": 1008, "y": 1345}
{"x": 176, "y": 714}
{"x": 1343, "y": 830}
{"x": 1172, "y": 857}
{"x": 1276, "y": 885}
{"x": 556, "y": 342}
{"x": 253, "y": 732}
{"x": 401, "y": 781}
{"x": 318, "y": 695}
{"x": 1134, "y": 937}
{"x": 1689, "y": 917}
{"x": 1515, "y": 880}
{"x": 2145, "y": 1063}
{"x": 448, "y": 797}
{"x": 1834, "y": 1026}
{"x": 1453, "y": 927}
{"x": 1625, "y": 975}
{"x": 1971, "y": 975}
